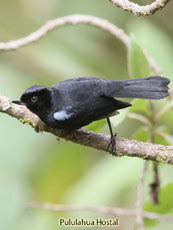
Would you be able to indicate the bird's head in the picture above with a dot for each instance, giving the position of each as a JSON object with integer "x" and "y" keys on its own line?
{"x": 36, "y": 98}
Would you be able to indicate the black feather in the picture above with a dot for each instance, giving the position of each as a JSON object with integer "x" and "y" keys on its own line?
{"x": 155, "y": 87}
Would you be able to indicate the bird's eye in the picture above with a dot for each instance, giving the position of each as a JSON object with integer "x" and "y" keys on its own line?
{"x": 34, "y": 99}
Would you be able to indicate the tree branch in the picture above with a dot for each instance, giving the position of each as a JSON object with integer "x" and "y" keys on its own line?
{"x": 139, "y": 210}
{"x": 98, "y": 209}
{"x": 71, "y": 19}
{"x": 74, "y": 20}
{"x": 140, "y": 10}
{"x": 125, "y": 147}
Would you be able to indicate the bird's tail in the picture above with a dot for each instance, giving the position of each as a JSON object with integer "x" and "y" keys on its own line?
{"x": 155, "y": 87}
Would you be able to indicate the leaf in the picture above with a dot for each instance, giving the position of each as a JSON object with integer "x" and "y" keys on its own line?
{"x": 108, "y": 180}
{"x": 165, "y": 203}
{"x": 163, "y": 136}
{"x": 162, "y": 54}
{"x": 116, "y": 120}
{"x": 137, "y": 62}
{"x": 166, "y": 195}
{"x": 140, "y": 118}
{"x": 164, "y": 109}
{"x": 142, "y": 134}
{"x": 139, "y": 105}
{"x": 150, "y": 222}
{"x": 161, "y": 140}
{"x": 97, "y": 126}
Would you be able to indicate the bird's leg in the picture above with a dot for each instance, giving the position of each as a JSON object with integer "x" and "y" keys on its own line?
{"x": 112, "y": 143}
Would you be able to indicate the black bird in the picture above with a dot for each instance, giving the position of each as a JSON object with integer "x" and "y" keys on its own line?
{"x": 74, "y": 103}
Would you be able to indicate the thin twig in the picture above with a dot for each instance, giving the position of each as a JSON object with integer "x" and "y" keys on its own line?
{"x": 98, "y": 209}
{"x": 140, "y": 10}
{"x": 168, "y": 137}
{"x": 71, "y": 19}
{"x": 141, "y": 118}
{"x": 139, "y": 210}
{"x": 74, "y": 20}
{"x": 164, "y": 109}
{"x": 155, "y": 185}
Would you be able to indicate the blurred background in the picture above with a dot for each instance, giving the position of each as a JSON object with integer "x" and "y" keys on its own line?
{"x": 37, "y": 167}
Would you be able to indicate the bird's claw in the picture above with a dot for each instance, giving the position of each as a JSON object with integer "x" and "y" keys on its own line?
{"x": 112, "y": 145}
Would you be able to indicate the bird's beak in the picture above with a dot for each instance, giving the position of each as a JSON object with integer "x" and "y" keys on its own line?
{"x": 18, "y": 102}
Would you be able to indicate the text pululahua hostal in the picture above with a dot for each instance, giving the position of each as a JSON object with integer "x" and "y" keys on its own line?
{"x": 84, "y": 222}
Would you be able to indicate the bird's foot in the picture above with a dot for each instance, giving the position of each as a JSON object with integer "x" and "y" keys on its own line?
{"x": 112, "y": 145}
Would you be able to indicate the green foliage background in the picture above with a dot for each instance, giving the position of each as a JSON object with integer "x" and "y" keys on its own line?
{"x": 37, "y": 167}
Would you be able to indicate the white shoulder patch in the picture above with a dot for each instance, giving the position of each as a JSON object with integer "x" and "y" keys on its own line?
{"x": 62, "y": 115}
